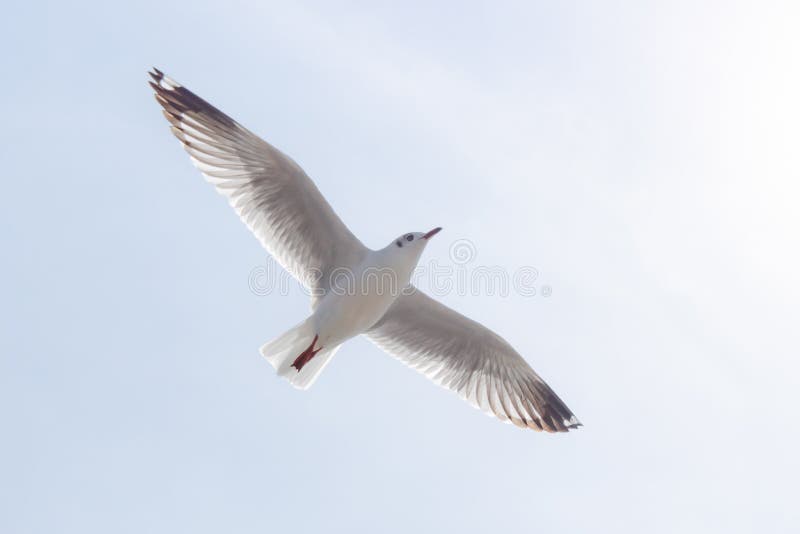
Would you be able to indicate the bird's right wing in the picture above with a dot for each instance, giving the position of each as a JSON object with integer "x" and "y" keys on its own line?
{"x": 270, "y": 192}
{"x": 466, "y": 357}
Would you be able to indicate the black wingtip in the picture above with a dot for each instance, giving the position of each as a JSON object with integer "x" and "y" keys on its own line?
{"x": 574, "y": 426}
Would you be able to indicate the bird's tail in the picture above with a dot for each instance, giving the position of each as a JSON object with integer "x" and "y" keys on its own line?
{"x": 295, "y": 356}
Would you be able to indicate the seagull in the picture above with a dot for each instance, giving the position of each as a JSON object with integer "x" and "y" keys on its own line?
{"x": 346, "y": 280}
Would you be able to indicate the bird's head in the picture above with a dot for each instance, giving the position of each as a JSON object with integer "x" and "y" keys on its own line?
{"x": 407, "y": 248}
{"x": 414, "y": 241}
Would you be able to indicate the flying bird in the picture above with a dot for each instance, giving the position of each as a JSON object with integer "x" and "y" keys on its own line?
{"x": 287, "y": 213}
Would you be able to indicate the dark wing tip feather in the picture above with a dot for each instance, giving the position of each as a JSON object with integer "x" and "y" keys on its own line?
{"x": 559, "y": 417}
{"x": 176, "y": 100}
{"x": 554, "y": 415}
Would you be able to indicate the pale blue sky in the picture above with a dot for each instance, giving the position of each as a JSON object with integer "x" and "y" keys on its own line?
{"x": 641, "y": 155}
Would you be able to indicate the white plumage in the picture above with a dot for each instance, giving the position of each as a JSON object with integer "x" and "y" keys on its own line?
{"x": 293, "y": 221}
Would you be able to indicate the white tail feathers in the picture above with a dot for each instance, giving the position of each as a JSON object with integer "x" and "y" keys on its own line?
{"x": 283, "y": 351}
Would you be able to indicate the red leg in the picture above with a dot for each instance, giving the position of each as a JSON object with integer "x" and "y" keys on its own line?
{"x": 306, "y": 355}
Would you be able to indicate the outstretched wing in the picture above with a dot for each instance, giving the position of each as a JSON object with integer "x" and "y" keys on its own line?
{"x": 270, "y": 192}
{"x": 466, "y": 357}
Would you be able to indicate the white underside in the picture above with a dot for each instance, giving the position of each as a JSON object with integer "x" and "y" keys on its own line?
{"x": 283, "y": 351}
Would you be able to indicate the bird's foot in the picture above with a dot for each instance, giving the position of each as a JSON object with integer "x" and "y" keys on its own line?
{"x": 306, "y": 355}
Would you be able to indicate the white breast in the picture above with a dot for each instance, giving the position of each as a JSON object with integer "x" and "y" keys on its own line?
{"x": 358, "y": 298}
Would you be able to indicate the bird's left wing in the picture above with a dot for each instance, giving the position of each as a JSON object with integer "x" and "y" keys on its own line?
{"x": 270, "y": 192}
{"x": 466, "y": 357}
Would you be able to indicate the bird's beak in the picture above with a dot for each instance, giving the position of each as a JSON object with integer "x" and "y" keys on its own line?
{"x": 432, "y": 233}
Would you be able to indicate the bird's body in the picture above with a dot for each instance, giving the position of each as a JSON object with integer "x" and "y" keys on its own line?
{"x": 355, "y": 290}
{"x": 360, "y": 296}
{"x": 356, "y": 299}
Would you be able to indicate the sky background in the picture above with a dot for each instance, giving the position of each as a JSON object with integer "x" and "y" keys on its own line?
{"x": 642, "y": 156}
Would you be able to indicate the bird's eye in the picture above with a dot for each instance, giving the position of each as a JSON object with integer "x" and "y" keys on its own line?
{"x": 409, "y": 237}
{"x": 399, "y": 243}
